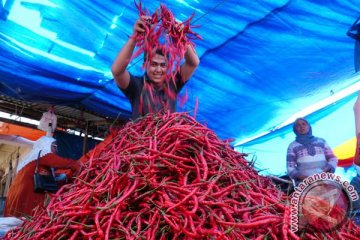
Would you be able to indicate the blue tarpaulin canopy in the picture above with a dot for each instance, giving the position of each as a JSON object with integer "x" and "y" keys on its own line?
{"x": 261, "y": 61}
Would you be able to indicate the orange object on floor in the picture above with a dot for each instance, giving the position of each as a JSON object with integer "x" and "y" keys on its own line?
{"x": 21, "y": 198}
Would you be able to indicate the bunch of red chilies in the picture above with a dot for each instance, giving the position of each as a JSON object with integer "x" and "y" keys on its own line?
{"x": 168, "y": 177}
{"x": 164, "y": 32}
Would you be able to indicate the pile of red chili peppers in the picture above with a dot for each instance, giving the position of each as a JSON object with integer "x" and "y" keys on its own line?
{"x": 168, "y": 177}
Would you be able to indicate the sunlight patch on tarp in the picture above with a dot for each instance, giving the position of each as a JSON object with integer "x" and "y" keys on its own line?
{"x": 53, "y": 57}
{"x": 29, "y": 18}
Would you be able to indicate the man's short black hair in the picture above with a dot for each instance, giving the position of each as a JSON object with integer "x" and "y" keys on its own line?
{"x": 159, "y": 51}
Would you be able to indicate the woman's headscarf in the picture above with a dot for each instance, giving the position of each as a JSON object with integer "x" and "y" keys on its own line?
{"x": 305, "y": 139}
{"x": 43, "y": 144}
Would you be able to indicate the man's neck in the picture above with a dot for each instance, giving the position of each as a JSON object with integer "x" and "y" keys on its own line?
{"x": 158, "y": 85}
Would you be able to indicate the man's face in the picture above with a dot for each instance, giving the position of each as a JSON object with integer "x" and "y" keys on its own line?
{"x": 302, "y": 127}
{"x": 157, "y": 68}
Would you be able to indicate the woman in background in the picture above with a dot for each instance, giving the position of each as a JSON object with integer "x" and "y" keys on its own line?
{"x": 21, "y": 198}
{"x": 308, "y": 155}
{"x": 355, "y": 182}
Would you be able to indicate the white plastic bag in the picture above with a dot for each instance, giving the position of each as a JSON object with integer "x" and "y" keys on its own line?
{"x": 48, "y": 121}
{"x": 8, "y": 223}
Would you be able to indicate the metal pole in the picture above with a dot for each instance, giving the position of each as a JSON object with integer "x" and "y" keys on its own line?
{"x": 85, "y": 143}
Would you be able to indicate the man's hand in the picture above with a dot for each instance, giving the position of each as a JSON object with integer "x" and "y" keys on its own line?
{"x": 142, "y": 24}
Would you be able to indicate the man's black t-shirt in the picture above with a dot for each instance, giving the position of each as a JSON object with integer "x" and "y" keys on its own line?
{"x": 146, "y": 98}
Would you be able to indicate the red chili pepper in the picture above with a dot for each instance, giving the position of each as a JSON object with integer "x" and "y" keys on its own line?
{"x": 202, "y": 189}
